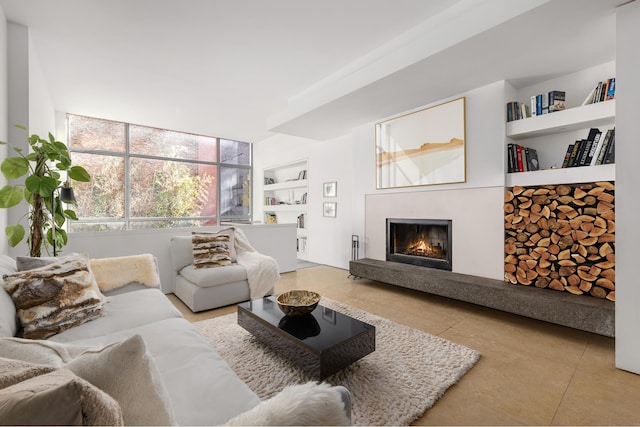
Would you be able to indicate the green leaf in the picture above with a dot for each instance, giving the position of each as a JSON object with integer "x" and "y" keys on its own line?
{"x": 78, "y": 173}
{"x": 10, "y": 195}
{"x": 41, "y": 185}
{"x": 14, "y": 167}
{"x": 71, "y": 214}
{"x": 60, "y": 219}
{"x": 20, "y": 127}
{"x": 15, "y": 234}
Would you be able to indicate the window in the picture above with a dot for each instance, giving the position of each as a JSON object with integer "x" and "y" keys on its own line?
{"x": 144, "y": 177}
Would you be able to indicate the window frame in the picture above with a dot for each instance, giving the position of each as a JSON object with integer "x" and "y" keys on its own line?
{"x": 126, "y": 155}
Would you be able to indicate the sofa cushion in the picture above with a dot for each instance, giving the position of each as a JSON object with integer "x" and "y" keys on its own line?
{"x": 33, "y": 394}
{"x": 207, "y": 277}
{"x": 122, "y": 312}
{"x": 55, "y": 297}
{"x": 211, "y": 250}
{"x": 24, "y": 263}
{"x": 8, "y": 316}
{"x": 201, "y": 386}
{"x": 123, "y": 369}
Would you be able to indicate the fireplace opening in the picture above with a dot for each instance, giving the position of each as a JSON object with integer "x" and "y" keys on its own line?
{"x": 424, "y": 242}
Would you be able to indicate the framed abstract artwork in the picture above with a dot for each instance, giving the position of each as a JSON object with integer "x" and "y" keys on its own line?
{"x": 329, "y": 209}
{"x": 426, "y": 147}
{"x": 330, "y": 189}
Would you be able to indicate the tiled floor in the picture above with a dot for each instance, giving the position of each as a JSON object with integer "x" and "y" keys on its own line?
{"x": 530, "y": 372}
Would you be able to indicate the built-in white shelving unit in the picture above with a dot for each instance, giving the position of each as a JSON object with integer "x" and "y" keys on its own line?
{"x": 544, "y": 133}
{"x": 285, "y": 197}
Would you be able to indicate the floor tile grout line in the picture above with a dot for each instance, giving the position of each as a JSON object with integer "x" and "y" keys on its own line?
{"x": 575, "y": 369}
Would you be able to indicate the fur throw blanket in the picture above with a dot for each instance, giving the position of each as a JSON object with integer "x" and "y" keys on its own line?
{"x": 113, "y": 273}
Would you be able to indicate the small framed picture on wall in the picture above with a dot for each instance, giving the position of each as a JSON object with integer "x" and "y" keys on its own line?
{"x": 330, "y": 189}
{"x": 329, "y": 209}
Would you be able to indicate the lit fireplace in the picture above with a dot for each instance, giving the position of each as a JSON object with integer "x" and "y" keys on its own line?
{"x": 425, "y": 242}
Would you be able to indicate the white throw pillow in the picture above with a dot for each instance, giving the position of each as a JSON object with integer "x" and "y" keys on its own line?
{"x": 53, "y": 397}
{"x": 124, "y": 370}
{"x": 309, "y": 404}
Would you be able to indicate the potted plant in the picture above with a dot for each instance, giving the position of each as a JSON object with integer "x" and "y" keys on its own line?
{"x": 42, "y": 167}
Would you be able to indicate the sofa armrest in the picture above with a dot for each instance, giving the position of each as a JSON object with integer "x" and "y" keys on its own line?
{"x": 305, "y": 404}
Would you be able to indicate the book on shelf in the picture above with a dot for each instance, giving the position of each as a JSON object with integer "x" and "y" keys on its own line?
{"x": 302, "y": 174}
{"x": 300, "y": 221}
{"x": 610, "y": 155}
{"x": 574, "y": 153}
{"x": 517, "y": 111}
{"x": 594, "y": 136}
{"x": 521, "y": 159}
{"x": 270, "y": 201}
{"x": 556, "y": 101}
{"x": 592, "y": 150}
{"x": 532, "y": 159}
{"x": 270, "y": 218}
{"x": 608, "y": 139}
{"x": 567, "y": 156}
{"x": 603, "y": 91}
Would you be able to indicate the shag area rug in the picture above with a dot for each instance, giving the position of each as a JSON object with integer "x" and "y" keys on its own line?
{"x": 394, "y": 385}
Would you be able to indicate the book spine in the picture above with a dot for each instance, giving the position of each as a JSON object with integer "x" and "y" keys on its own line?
{"x": 510, "y": 158}
{"x": 611, "y": 89}
{"x": 585, "y": 146}
{"x": 556, "y": 101}
{"x": 532, "y": 106}
{"x": 567, "y": 156}
{"x": 610, "y": 157}
{"x": 594, "y": 137}
{"x": 532, "y": 159}
{"x": 604, "y": 148}
{"x": 596, "y": 97}
{"x": 538, "y": 105}
{"x": 574, "y": 153}
{"x": 519, "y": 157}
{"x": 596, "y": 152}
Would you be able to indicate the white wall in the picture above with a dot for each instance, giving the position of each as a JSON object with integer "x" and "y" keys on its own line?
{"x": 329, "y": 239}
{"x": 350, "y": 160}
{"x": 627, "y": 184}
{"x": 474, "y": 206}
{"x": 31, "y": 106}
{"x": 41, "y": 110}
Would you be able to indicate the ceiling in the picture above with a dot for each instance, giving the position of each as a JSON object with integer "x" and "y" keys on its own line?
{"x": 244, "y": 69}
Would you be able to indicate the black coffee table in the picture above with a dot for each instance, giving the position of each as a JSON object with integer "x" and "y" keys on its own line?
{"x": 321, "y": 343}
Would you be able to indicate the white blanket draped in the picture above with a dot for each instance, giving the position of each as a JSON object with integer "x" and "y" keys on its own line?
{"x": 262, "y": 270}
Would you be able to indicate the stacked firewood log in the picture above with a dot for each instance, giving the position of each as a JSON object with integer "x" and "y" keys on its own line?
{"x": 562, "y": 237}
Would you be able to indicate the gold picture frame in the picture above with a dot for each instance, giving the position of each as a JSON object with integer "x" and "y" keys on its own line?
{"x": 426, "y": 147}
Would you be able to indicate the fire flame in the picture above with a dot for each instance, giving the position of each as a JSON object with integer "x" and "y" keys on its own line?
{"x": 422, "y": 248}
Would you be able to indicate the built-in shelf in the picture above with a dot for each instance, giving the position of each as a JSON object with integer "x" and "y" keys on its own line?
{"x": 586, "y": 116}
{"x": 562, "y": 176}
{"x": 286, "y": 208}
{"x": 288, "y": 185}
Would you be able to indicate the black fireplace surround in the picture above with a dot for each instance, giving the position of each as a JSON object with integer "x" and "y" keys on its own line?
{"x": 423, "y": 242}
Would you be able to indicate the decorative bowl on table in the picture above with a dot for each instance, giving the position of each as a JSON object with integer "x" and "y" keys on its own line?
{"x": 298, "y": 302}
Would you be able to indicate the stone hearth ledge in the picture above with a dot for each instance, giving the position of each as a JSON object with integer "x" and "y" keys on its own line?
{"x": 579, "y": 312}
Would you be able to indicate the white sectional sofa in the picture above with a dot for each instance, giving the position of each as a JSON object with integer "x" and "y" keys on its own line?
{"x": 200, "y": 386}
